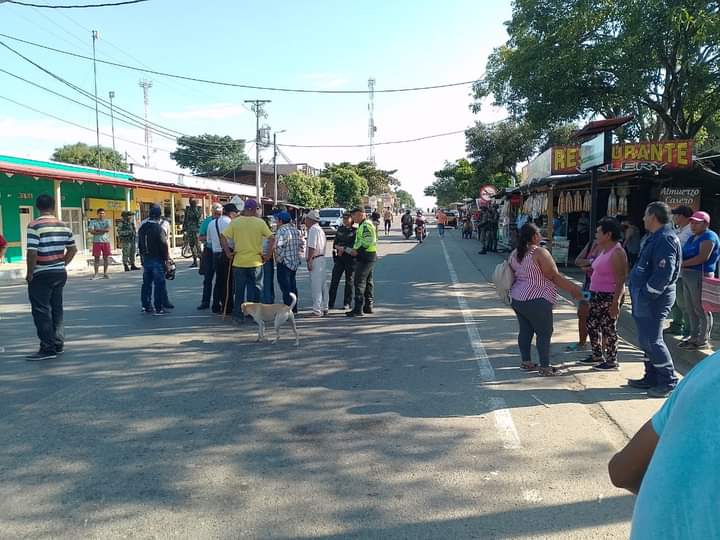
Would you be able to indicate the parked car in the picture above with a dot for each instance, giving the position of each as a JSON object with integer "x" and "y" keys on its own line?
{"x": 331, "y": 219}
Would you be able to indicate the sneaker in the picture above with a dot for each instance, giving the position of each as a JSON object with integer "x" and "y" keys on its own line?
{"x": 347, "y": 307}
{"x": 642, "y": 384}
{"x": 41, "y": 355}
{"x": 160, "y": 312}
{"x": 660, "y": 391}
{"x": 146, "y": 310}
{"x": 59, "y": 350}
{"x": 589, "y": 361}
{"x": 607, "y": 366}
{"x": 368, "y": 310}
{"x": 354, "y": 314}
{"x": 689, "y": 344}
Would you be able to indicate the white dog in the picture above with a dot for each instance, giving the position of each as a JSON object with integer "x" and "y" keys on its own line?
{"x": 279, "y": 313}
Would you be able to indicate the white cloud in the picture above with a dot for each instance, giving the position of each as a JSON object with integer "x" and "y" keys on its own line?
{"x": 213, "y": 111}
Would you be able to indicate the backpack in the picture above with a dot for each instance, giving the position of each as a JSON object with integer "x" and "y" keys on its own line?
{"x": 503, "y": 278}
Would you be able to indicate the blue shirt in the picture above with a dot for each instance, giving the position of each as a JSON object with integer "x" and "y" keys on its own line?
{"x": 692, "y": 249}
{"x": 678, "y": 495}
{"x": 203, "y": 230}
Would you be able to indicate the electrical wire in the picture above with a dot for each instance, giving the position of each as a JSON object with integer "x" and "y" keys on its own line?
{"x": 240, "y": 85}
{"x": 424, "y": 138}
{"x": 75, "y": 6}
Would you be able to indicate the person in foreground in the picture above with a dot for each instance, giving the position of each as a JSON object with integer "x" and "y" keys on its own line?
{"x": 50, "y": 248}
{"x": 533, "y": 294}
{"x": 652, "y": 289}
{"x": 365, "y": 251}
{"x": 672, "y": 462}
{"x": 155, "y": 253}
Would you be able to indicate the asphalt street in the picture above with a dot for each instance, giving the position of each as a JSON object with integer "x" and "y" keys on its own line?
{"x": 415, "y": 422}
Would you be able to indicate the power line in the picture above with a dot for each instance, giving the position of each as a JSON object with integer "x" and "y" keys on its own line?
{"x": 75, "y": 6}
{"x": 240, "y": 85}
{"x": 426, "y": 137}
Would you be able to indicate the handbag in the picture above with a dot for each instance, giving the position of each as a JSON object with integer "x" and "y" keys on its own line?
{"x": 503, "y": 278}
{"x": 711, "y": 295}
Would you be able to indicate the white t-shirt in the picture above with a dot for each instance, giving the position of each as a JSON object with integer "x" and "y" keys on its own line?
{"x": 684, "y": 234}
{"x": 212, "y": 233}
{"x": 316, "y": 239}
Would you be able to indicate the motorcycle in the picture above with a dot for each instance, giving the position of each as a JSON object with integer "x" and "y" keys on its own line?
{"x": 420, "y": 232}
{"x": 407, "y": 230}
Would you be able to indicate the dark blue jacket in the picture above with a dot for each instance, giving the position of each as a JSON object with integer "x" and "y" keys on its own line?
{"x": 652, "y": 279}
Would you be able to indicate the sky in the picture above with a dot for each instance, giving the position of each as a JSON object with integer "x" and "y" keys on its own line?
{"x": 313, "y": 44}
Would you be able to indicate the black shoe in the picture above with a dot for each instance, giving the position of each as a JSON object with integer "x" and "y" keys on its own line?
{"x": 41, "y": 355}
{"x": 642, "y": 384}
{"x": 160, "y": 312}
{"x": 203, "y": 306}
{"x": 660, "y": 391}
{"x": 589, "y": 361}
{"x": 59, "y": 350}
{"x": 133, "y": 267}
{"x": 169, "y": 306}
{"x": 354, "y": 314}
{"x": 607, "y": 366}
{"x": 216, "y": 309}
{"x": 193, "y": 265}
{"x": 127, "y": 268}
{"x": 368, "y": 310}
{"x": 147, "y": 310}
{"x": 483, "y": 252}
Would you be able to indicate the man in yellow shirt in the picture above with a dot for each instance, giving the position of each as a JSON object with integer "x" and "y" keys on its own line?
{"x": 247, "y": 233}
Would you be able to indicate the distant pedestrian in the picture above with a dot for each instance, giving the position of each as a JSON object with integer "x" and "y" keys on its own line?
{"x": 699, "y": 260}
{"x": 207, "y": 265}
{"x": 50, "y": 248}
{"x": 191, "y": 226}
{"x": 127, "y": 235}
{"x": 222, "y": 297}
{"x": 388, "y": 217}
{"x": 165, "y": 226}
{"x": 246, "y": 233}
{"x": 671, "y": 463}
{"x": 365, "y": 251}
{"x": 344, "y": 262}
{"x": 316, "y": 260}
{"x": 652, "y": 289}
{"x": 533, "y": 295}
{"x": 288, "y": 254}
{"x": 680, "y": 324}
{"x": 442, "y": 221}
{"x": 155, "y": 252}
{"x": 99, "y": 228}
{"x": 607, "y": 287}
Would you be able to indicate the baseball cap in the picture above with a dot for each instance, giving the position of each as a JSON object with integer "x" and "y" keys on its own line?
{"x": 155, "y": 211}
{"x": 283, "y": 216}
{"x": 682, "y": 210}
{"x": 701, "y": 216}
{"x": 229, "y": 207}
{"x": 251, "y": 204}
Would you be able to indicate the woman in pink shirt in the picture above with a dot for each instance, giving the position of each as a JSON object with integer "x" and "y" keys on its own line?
{"x": 607, "y": 285}
{"x": 533, "y": 294}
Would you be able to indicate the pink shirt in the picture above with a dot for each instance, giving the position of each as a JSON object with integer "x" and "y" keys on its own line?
{"x": 603, "y": 275}
{"x": 530, "y": 282}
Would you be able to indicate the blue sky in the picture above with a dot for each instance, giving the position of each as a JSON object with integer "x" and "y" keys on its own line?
{"x": 305, "y": 44}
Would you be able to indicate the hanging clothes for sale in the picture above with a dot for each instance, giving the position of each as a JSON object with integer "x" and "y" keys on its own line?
{"x": 612, "y": 204}
{"x": 587, "y": 202}
{"x": 577, "y": 202}
{"x": 560, "y": 204}
{"x": 569, "y": 203}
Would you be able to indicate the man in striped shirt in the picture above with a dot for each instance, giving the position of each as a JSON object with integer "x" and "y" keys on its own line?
{"x": 50, "y": 247}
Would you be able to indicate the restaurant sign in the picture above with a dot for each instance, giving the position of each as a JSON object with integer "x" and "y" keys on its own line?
{"x": 675, "y": 197}
{"x": 652, "y": 156}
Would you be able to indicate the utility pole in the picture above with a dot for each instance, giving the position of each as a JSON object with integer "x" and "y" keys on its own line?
{"x": 95, "y": 37}
{"x": 146, "y": 86}
{"x": 257, "y": 105}
{"x": 275, "y": 171}
{"x": 112, "y": 118}
{"x": 371, "y": 121}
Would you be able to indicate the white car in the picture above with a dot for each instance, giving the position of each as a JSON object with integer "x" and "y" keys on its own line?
{"x": 331, "y": 219}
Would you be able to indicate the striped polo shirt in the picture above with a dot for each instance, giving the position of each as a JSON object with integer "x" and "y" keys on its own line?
{"x": 49, "y": 237}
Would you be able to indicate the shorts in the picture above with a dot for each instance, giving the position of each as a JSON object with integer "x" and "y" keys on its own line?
{"x": 101, "y": 248}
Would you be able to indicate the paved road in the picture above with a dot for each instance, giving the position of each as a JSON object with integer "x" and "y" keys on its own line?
{"x": 412, "y": 423}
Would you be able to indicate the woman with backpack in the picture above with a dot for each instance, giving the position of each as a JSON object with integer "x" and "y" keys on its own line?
{"x": 533, "y": 295}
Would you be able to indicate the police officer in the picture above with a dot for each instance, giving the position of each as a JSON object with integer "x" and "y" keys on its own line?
{"x": 652, "y": 289}
{"x": 365, "y": 252}
{"x": 191, "y": 226}
{"x": 344, "y": 262}
{"x": 127, "y": 237}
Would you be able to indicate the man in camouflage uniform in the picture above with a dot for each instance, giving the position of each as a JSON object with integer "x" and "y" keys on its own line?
{"x": 127, "y": 236}
{"x": 191, "y": 226}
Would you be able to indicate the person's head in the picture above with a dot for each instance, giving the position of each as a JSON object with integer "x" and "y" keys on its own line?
{"x": 528, "y": 236}
{"x": 311, "y": 218}
{"x": 657, "y": 215}
{"x": 101, "y": 213}
{"x": 193, "y": 203}
{"x": 251, "y": 207}
{"x": 283, "y": 217}
{"x": 608, "y": 231}
{"x": 230, "y": 210}
{"x": 681, "y": 215}
{"x": 347, "y": 219}
{"x": 155, "y": 212}
{"x": 407, "y": 211}
{"x": 217, "y": 209}
{"x": 45, "y": 203}
{"x": 358, "y": 214}
{"x": 126, "y": 215}
{"x": 699, "y": 222}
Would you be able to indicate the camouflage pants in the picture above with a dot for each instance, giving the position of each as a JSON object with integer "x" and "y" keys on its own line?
{"x": 194, "y": 243}
{"x": 128, "y": 254}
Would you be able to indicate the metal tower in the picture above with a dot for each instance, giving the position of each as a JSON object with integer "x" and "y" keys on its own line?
{"x": 371, "y": 121}
{"x": 146, "y": 85}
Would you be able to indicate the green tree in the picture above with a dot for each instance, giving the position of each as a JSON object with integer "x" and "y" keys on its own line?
{"x": 567, "y": 60}
{"x": 82, "y": 154}
{"x": 404, "y": 199}
{"x": 309, "y": 191}
{"x": 379, "y": 181}
{"x": 350, "y": 187}
{"x": 452, "y": 182}
{"x": 496, "y": 149}
{"x": 210, "y": 154}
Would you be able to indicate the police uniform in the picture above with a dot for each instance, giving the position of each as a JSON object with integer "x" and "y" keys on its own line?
{"x": 127, "y": 237}
{"x": 191, "y": 226}
{"x": 652, "y": 289}
{"x": 344, "y": 264}
{"x": 366, "y": 247}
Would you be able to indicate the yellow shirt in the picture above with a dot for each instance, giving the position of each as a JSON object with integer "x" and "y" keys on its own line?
{"x": 247, "y": 233}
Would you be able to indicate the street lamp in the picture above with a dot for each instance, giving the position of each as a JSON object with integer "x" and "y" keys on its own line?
{"x": 275, "y": 153}
{"x": 112, "y": 118}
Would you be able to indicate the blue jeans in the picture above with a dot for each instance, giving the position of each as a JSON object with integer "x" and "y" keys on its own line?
{"x": 268, "y": 278}
{"x": 659, "y": 369}
{"x": 441, "y": 229}
{"x": 153, "y": 278}
{"x": 247, "y": 288}
{"x": 287, "y": 282}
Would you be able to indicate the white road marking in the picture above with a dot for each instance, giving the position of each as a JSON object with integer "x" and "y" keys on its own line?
{"x": 503, "y": 418}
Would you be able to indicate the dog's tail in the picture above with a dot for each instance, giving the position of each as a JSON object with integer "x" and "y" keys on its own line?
{"x": 294, "y": 301}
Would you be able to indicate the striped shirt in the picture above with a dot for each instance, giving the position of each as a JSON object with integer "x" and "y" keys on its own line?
{"x": 530, "y": 282}
{"x": 49, "y": 237}
{"x": 288, "y": 246}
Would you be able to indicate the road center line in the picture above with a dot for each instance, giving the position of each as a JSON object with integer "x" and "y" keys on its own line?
{"x": 503, "y": 418}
